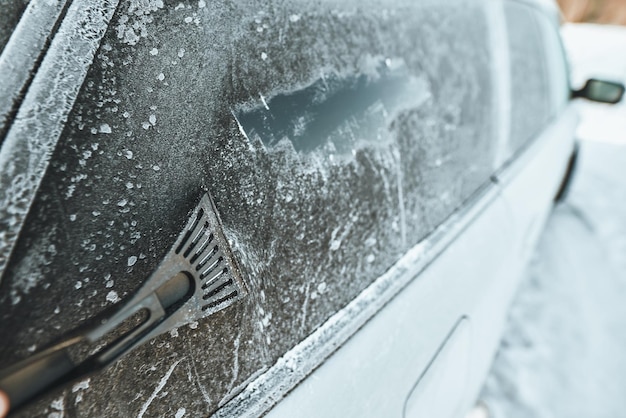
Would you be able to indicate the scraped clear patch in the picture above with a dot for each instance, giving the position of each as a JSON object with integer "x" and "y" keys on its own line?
{"x": 338, "y": 112}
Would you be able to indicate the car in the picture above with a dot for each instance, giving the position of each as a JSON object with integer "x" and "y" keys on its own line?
{"x": 376, "y": 174}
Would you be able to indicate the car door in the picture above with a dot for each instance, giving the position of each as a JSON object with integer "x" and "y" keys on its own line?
{"x": 335, "y": 138}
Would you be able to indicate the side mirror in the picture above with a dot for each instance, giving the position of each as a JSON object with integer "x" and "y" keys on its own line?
{"x": 601, "y": 91}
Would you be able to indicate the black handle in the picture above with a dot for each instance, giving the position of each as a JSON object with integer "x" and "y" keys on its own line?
{"x": 54, "y": 366}
{"x": 38, "y": 373}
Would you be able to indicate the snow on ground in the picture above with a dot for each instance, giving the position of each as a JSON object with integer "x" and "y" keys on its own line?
{"x": 564, "y": 350}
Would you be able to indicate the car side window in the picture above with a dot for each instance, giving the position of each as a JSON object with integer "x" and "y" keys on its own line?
{"x": 531, "y": 106}
{"x": 557, "y": 65}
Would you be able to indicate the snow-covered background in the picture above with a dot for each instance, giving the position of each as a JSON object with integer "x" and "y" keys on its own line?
{"x": 564, "y": 349}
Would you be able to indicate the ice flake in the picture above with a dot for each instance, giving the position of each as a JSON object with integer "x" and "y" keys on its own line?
{"x": 58, "y": 404}
{"x": 132, "y": 260}
{"x": 80, "y": 386}
{"x": 112, "y": 297}
{"x": 264, "y": 102}
{"x": 321, "y": 288}
{"x": 70, "y": 190}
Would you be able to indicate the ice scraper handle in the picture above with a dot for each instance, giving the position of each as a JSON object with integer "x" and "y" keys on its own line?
{"x": 38, "y": 373}
{"x": 54, "y": 366}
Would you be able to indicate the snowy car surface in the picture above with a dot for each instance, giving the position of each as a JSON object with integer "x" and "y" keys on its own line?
{"x": 347, "y": 146}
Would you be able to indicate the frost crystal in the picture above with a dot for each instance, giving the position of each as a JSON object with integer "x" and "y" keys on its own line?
{"x": 112, "y": 297}
{"x": 133, "y": 25}
{"x": 80, "y": 386}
